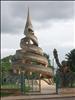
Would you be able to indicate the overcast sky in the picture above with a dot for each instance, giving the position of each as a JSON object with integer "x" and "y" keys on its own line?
{"x": 53, "y": 24}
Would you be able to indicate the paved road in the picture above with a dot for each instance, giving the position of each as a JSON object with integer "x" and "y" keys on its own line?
{"x": 45, "y": 97}
{"x": 72, "y": 98}
{"x": 64, "y": 99}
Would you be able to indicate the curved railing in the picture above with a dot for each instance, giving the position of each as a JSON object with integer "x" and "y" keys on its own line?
{"x": 30, "y": 53}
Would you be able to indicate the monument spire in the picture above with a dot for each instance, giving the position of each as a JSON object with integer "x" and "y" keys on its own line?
{"x": 28, "y": 24}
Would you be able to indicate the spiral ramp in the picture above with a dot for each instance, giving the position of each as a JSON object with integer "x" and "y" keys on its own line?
{"x": 29, "y": 53}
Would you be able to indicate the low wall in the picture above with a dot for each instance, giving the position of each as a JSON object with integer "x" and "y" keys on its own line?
{"x": 11, "y": 91}
{"x": 66, "y": 91}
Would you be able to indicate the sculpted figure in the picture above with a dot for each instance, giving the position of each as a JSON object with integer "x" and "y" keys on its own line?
{"x": 63, "y": 69}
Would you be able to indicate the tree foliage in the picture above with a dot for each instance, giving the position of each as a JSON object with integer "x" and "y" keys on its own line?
{"x": 48, "y": 58}
{"x": 5, "y": 63}
{"x": 71, "y": 59}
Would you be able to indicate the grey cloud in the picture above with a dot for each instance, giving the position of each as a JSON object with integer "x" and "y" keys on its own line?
{"x": 44, "y": 10}
{"x": 10, "y": 25}
{"x": 40, "y": 11}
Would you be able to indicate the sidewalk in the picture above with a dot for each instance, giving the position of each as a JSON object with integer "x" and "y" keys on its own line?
{"x": 34, "y": 97}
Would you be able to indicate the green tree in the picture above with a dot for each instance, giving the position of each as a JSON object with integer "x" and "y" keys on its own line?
{"x": 5, "y": 66}
{"x": 5, "y": 63}
{"x": 71, "y": 59}
{"x": 48, "y": 58}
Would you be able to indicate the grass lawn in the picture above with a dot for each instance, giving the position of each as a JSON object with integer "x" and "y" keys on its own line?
{"x": 10, "y": 86}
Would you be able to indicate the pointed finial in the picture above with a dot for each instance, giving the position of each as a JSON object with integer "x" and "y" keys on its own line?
{"x": 28, "y": 23}
{"x": 28, "y": 14}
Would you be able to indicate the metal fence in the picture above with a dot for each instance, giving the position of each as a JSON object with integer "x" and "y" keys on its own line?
{"x": 69, "y": 80}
